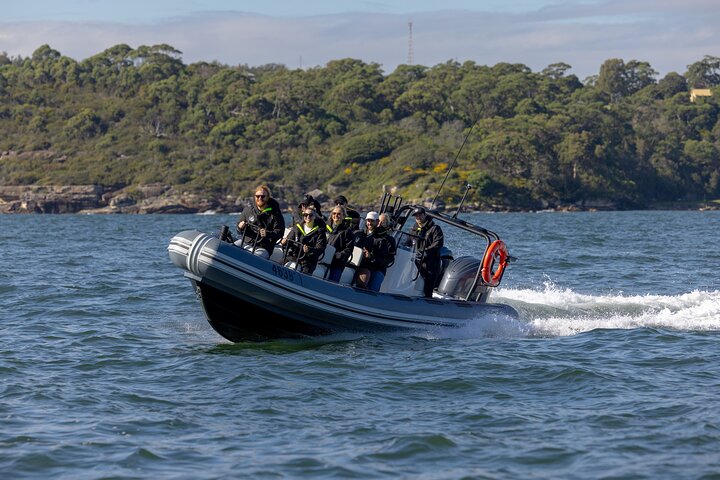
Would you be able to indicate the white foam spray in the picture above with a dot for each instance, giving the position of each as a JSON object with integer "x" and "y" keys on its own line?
{"x": 560, "y": 312}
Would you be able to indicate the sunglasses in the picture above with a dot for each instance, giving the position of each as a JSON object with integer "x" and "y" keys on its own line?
{"x": 334, "y": 214}
{"x": 260, "y": 196}
{"x": 307, "y": 214}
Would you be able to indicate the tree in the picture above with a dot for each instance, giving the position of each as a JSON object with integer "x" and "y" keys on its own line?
{"x": 639, "y": 75}
{"x": 399, "y": 81}
{"x": 703, "y": 165}
{"x": 133, "y": 116}
{"x": 352, "y": 94}
{"x": 164, "y": 105}
{"x": 672, "y": 84}
{"x": 705, "y": 73}
{"x": 86, "y": 124}
{"x": 556, "y": 71}
{"x": 44, "y": 53}
{"x": 618, "y": 79}
{"x": 158, "y": 62}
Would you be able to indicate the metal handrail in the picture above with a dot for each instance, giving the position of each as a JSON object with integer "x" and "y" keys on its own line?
{"x": 255, "y": 228}
{"x": 404, "y": 214}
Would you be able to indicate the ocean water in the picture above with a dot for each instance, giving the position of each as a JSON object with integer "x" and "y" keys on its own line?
{"x": 109, "y": 369}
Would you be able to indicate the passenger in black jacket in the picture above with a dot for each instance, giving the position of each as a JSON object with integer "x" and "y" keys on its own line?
{"x": 351, "y": 215}
{"x": 308, "y": 201}
{"x": 261, "y": 225}
{"x": 386, "y": 223}
{"x": 376, "y": 254}
{"x": 308, "y": 242}
{"x": 430, "y": 240}
{"x": 340, "y": 236}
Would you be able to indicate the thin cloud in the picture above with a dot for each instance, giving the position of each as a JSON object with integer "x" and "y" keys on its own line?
{"x": 668, "y": 34}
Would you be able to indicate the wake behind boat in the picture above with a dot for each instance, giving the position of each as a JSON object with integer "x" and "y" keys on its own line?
{"x": 246, "y": 297}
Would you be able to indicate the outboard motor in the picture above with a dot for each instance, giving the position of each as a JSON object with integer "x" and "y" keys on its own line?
{"x": 459, "y": 277}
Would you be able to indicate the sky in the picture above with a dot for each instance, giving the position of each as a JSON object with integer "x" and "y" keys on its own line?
{"x": 668, "y": 34}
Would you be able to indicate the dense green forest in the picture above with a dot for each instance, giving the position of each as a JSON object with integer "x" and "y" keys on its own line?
{"x": 540, "y": 139}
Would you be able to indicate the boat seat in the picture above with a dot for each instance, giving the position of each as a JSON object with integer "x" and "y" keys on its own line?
{"x": 348, "y": 274}
{"x": 324, "y": 264}
{"x": 399, "y": 277}
{"x": 277, "y": 254}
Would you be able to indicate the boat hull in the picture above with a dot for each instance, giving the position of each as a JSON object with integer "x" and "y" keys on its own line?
{"x": 239, "y": 319}
{"x": 247, "y": 298}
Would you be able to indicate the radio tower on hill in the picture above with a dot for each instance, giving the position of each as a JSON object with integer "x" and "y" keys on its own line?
{"x": 410, "y": 45}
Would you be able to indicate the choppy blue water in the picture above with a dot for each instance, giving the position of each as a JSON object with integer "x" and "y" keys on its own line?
{"x": 109, "y": 369}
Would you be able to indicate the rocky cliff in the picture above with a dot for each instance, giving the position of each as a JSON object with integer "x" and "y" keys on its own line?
{"x": 97, "y": 199}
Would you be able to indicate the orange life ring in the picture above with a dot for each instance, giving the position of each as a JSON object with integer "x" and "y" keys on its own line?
{"x": 495, "y": 254}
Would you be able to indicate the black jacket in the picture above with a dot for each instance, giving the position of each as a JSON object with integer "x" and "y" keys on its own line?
{"x": 314, "y": 238}
{"x": 270, "y": 218}
{"x": 308, "y": 201}
{"x": 342, "y": 239}
{"x": 353, "y": 218}
{"x": 380, "y": 249}
{"x": 430, "y": 241}
{"x": 297, "y": 215}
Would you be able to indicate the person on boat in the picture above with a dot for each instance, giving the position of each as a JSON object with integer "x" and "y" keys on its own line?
{"x": 376, "y": 254}
{"x": 340, "y": 236}
{"x": 261, "y": 225}
{"x": 309, "y": 241}
{"x": 306, "y": 201}
{"x": 353, "y": 217}
{"x": 429, "y": 239}
{"x": 385, "y": 222}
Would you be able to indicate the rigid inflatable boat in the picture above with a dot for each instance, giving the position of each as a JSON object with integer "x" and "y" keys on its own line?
{"x": 248, "y": 298}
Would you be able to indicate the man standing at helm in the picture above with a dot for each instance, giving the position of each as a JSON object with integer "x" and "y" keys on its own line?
{"x": 262, "y": 224}
{"x": 430, "y": 240}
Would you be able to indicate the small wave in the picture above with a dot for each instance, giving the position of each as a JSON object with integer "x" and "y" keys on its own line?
{"x": 561, "y": 312}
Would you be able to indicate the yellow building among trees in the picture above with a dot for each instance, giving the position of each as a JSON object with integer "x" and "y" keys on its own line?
{"x": 699, "y": 92}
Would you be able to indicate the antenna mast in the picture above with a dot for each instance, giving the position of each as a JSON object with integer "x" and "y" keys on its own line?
{"x": 410, "y": 44}
{"x": 468, "y": 187}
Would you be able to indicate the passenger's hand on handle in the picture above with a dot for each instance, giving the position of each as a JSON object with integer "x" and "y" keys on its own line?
{"x": 306, "y": 248}
{"x": 263, "y": 232}
{"x": 241, "y": 225}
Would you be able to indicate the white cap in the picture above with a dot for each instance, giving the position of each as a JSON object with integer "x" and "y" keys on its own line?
{"x": 371, "y": 216}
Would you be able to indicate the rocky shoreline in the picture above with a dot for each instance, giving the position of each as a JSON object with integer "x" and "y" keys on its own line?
{"x": 137, "y": 199}
{"x": 95, "y": 199}
{"x": 158, "y": 198}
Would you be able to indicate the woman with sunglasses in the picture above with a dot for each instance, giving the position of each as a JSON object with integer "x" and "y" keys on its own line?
{"x": 261, "y": 225}
{"x": 308, "y": 201}
{"x": 340, "y": 236}
{"x": 352, "y": 215}
{"x": 308, "y": 242}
